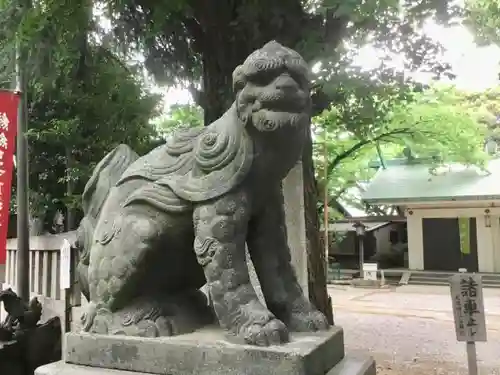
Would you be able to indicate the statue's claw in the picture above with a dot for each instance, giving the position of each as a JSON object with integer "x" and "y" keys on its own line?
{"x": 150, "y": 317}
{"x": 274, "y": 332}
{"x": 307, "y": 322}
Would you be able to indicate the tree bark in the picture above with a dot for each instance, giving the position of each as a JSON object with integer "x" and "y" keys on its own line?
{"x": 217, "y": 91}
{"x": 316, "y": 262}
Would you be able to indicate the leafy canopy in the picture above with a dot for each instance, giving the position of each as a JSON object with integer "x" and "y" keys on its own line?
{"x": 83, "y": 98}
{"x": 436, "y": 124}
{"x": 483, "y": 18}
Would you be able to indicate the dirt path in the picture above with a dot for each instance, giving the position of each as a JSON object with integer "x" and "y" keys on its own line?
{"x": 410, "y": 331}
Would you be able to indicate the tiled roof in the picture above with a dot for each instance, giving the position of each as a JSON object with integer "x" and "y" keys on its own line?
{"x": 346, "y": 200}
{"x": 414, "y": 182}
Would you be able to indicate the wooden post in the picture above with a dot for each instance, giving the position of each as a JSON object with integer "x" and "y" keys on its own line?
{"x": 325, "y": 205}
{"x": 23, "y": 237}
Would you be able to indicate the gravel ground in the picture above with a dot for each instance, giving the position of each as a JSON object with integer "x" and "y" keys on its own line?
{"x": 410, "y": 330}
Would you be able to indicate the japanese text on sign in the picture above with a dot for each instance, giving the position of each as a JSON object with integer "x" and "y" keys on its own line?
{"x": 9, "y": 105}
{"x": 468, "y": 308}
{"x": 4, "y": 121}
{"x": 3, "y": 141}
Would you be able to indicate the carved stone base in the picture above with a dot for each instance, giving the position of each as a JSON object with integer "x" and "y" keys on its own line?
{"x": 206, "y": 352}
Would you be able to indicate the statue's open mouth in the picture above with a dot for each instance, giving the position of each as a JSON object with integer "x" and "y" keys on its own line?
{"x": 270, "y": 120}
{"x": 285, "y": 102}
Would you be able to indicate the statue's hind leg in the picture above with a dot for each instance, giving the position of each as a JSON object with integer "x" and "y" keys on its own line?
{"x": 125, "y": 297}
{"x": 268, "y": 247}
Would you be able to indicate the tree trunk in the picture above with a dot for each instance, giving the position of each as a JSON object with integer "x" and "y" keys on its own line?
{"x": 217, "y": 90}
{"x": 225, "y": 35}
{"x": 316, "y": 262}
{"x": 221, "y": 54}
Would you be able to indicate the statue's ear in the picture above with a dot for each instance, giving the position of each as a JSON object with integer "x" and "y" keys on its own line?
{"x": 239, "y": 79}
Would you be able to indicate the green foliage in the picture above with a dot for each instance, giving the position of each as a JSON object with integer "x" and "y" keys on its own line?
{"x": 438, "y": 123}
{"x": 73, "y": 125}
{"x": 200, "y": 41}
{"x": 485, "y": 105}
{"x": 179, "y": 115}
{"x": 442, "y": 128}
{"x": 356, "y": 106}
{"x": 483, "y": 17}
{"x": 186, "y": 41}
{"x": 357, "y": 120}
{"x": 83, "y": 99}
{"x": 86, "y": 91}
{"x": 326, "y": 31}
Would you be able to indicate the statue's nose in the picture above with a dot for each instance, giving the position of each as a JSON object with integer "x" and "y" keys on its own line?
{"x": 285, "y": 82}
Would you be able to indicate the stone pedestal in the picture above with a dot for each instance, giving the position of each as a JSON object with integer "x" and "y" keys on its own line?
{"x": 206, "y": 352}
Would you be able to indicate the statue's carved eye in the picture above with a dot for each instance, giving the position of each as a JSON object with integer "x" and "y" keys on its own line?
{"x": 239, "y": 79}
{"x": 238, "y": 85}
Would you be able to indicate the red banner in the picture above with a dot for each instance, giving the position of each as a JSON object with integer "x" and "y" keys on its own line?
{"x": 9, "y": 103}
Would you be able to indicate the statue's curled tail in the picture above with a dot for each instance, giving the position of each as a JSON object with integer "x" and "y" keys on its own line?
{"x": 106, "y": 174}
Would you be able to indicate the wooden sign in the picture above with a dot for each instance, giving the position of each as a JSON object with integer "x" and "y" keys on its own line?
{"x": 468, "y": 307}
{"x": 9, "y": 103}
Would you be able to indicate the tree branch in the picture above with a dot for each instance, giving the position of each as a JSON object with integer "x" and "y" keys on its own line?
{"x": 335, "y": 29}
{"x": 363, "y": 143}
{"x": 333, "y": 201}
{"x": 195, "y": 29}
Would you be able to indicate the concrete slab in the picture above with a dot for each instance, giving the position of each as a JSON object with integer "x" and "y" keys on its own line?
{"x": 207, "y": 352}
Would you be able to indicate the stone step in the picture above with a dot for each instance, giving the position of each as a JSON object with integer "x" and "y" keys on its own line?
{"x": 428, "y": 282}
{"x": 349, "y": 365}
{"x": 439, "y": 283}
{"x": 422, "y": 278}
{"x": 354, "y": 365}
{"x": 440, "y": 275}
{"x": 491, "y": 279}
{"x": 63, "y": 368}
{"x": 491, "y": 285}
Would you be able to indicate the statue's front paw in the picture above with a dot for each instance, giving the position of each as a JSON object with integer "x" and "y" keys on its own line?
{"x": 310, "y": 321}
{"x": 101, "y": 322}
{"x": 274, "y": 332}
{"x": 87, "y": 318}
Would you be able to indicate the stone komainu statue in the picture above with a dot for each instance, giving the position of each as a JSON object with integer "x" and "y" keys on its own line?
{"x": 210, "y": 190}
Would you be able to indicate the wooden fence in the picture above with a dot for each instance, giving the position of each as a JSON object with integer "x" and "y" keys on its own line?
{"x": 45, "y": 263}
